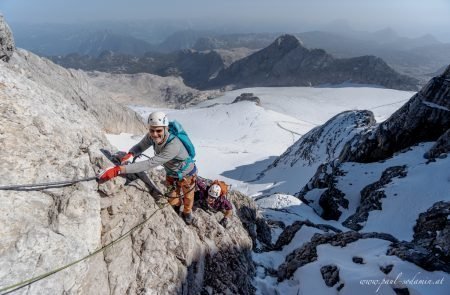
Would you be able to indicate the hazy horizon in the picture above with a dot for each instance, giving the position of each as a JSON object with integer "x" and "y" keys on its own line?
{"x": 411, "y": 18}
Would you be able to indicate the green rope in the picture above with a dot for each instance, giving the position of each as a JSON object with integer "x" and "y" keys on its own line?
{"x": 28, "y": 282}
{"x": 20, "y": 285}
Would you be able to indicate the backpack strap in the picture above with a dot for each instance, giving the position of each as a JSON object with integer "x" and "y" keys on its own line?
{"x": 187, "y": 161}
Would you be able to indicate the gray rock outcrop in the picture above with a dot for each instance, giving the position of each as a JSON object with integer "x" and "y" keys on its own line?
{"x": 251, "y": 219}
{"x": 425, "y": 117}
{"x": 147, "y": 89}
{"x": 430, "y": 246}
{"x": 7, "y": 45}
{"x": 371, "y": 197}
{"x": 307, "y": 253}
{"x": 432, "y": 230}
{"x": 76, "y": 86}
{"x": 440, "y": 148}
{"x": 289, "y": 232}
{"x": 330, "y": 274}
{"x": 332, "y": 198}
{"x": 334, "y": 134}
{"x": 248, "y": 97}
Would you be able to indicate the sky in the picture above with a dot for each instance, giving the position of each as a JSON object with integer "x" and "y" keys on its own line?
{"x": 409, "y": 17}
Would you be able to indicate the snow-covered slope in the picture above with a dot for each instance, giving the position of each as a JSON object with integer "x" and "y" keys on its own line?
{"x": 404, "y": 199}
{"x": 381, "y": 226}
{"x": 238, "y": 141}
{"x": 309, "y": 252}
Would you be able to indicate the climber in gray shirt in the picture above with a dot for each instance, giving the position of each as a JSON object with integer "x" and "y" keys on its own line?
{"x": 181, "y": 173}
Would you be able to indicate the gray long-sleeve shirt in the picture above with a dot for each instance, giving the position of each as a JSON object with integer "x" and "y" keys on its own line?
{"x": 171, "y": 155}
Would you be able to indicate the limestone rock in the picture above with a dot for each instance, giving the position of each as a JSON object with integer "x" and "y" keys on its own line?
{"x": 75, "y": 85}
{"x": 7, "y": 45}
{"x": 50, "y": 130}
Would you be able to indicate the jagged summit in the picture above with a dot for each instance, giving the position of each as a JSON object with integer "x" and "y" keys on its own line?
{"x": 286, "y": 42}
{"x": 425, "y": 117}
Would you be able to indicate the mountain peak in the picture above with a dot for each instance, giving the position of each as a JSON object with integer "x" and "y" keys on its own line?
{"x": 287, "y": 42}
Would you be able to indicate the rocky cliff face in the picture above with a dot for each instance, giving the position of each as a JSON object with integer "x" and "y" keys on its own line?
{"x": 147, "y": 89}
{"x": 52, "y": 129}
{"x": 196, "y": 68}
{"x": 75, "y": 85}
{"x": 425, "y": 117}
{"x": 324, "y": 143}
{"x": 286, "y": 62}
{"x": 7, "y": 46}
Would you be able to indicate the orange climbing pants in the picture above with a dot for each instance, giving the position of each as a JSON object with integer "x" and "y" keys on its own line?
{"x": 187, "y": 186}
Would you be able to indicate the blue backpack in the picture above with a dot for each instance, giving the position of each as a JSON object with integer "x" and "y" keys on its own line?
{"x": 176, "y": 130}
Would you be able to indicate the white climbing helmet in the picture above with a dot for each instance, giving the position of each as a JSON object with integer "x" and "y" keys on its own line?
{"x": 158, "y": 119}
{"x": 214, "y": 191}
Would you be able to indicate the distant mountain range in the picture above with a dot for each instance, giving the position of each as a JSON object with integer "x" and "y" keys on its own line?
{"x": 415, "y": 57}
{"x": 286, "y": 62}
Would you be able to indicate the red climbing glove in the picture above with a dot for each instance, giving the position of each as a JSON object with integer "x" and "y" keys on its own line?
{"x": 108, "y": 174}
{"x": 126, "y": 158}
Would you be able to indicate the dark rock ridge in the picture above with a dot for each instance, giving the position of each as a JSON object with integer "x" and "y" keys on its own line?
{"x": 307, "y": 253}
{"x": 195, "y": 67}
{"x": 307, "y": 151}
{"x": 289, "y": 232}
{"x": 286, "y": 62}
{"x": 440, "y": 148}
{"x": 251, "y": 219}
{"x": 332, "y": 198}
{"x": 432, "y": 230}
{"x": 248, "y": 97}
{"x": 7, "y": 46}
{"x": 371, "y": 197}
{"x": 319, "y": 148}
{"x": 425, "y": 117}
{"x": 431, "y": 242}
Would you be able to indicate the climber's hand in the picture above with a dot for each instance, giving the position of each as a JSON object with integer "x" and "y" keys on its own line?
{"x": 108, "y": 174}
